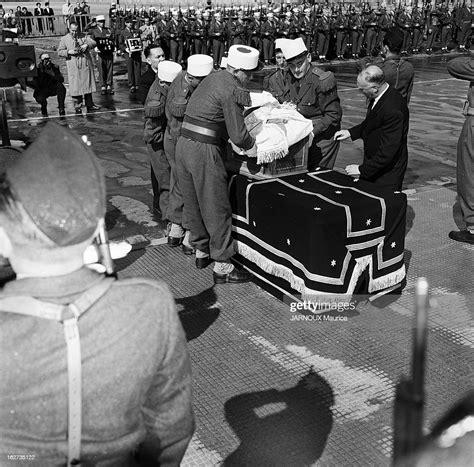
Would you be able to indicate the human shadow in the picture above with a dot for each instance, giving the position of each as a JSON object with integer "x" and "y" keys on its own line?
{"x": 457, "y": 215}
{"x": 198, "y": 312}
{"x": 281, "y": 428}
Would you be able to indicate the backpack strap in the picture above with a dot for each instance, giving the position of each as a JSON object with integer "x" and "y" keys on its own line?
{"x": 68, "y": 315}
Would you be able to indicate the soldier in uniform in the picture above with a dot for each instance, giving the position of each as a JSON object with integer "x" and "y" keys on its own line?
{"x": 305, "y": 28}
{"x": 132, "y": 405}
{"x": 287, "y": 28}
{"x": 106, "y": 45}
{"x": 269, "y": 30}
{"x": 446, "y": 26}
{"x": 133, "y": 59}
{"x": 356, "y": 32}
{"x": 155, "y": 124}
{"x": 383, "y": 24}
{"x": 463, "y": 68}
{"x": 238, "y": 30}
{"x": 314, "y": 92}
{"x": 255, "y": 32}
{"x": 340, "y": 27}
{"x": 464, "y": 21}
{"x": 175, "y": 34}
{"x": 404, "y": 22}
{"x": 199, "y": 34}
{"x": 399, "y": 73}
{"x": 147, "y": 32}
{"x": 160, "y": 28}
{"x": 418, "y": 23}
{"x": 322, "y": 26}
{"x": 179, "y": 92}
{"x": 214, "y": 114}
{"x": 370, "y": 23}
{"x": 217, "y": 34}
{"x": 432, "y": 30}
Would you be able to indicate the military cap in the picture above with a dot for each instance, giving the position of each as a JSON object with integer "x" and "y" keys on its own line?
{"x": 60, "y": 184}
{"x": 293, "y": 48}
{"x": 394, "y": 38}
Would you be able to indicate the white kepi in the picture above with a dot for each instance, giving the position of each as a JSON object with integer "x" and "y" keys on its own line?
{"x": 292, "y": 48}
{"x": 243, "y": 57}
{"x": 168, "y": 70}
{"x": 200, "y": 65}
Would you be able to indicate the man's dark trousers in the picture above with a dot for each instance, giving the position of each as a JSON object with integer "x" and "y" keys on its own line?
{"x": 203, "y": 181}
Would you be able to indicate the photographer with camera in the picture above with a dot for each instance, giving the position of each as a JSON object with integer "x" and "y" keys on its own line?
{"x": 48, "y": 83}
{"x": 75, "y": 48}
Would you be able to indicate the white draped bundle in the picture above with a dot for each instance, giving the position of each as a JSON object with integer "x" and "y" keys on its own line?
{"x": 275, "y": 126}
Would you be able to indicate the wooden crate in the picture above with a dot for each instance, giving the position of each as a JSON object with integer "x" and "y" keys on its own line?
{"x": 295, "y": 162}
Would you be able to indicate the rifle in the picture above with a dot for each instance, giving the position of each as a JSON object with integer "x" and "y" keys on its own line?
{"x": 409, "y": 398}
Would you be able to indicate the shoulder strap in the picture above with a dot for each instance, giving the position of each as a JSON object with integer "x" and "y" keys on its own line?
{"x": 327, "y": 80}
{"x": 68, "y": 315}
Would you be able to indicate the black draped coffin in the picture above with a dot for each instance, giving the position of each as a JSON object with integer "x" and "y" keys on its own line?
{"x": 319, "y": 232}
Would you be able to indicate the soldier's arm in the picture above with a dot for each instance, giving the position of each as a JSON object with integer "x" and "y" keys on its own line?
{"x": 462, "y": 68}
{"x": 329, "y": 104}
{"x": 234, "y": 120}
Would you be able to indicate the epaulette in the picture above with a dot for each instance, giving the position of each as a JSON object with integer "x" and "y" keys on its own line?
{"x": 154, "y": 111}
{"x": 242, "y": 97}
{"x": 327, "y": 80}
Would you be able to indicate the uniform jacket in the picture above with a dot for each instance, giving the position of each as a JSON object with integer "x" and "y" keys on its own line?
{"x": 122, "y": 40}
{"x": 80, "y": 69}
{"x": 384, "y": 132}
{"x": 155, "y": 117}
{"x": 135, "y": 373}
{"x": 463, "y": 68}
{"x": 217, "y": 99}
{"x": 177, "y": 100}
{"x": 315, "y": 96}
{"x": 102, "y": 33}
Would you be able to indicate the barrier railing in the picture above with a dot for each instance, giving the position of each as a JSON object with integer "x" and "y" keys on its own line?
{"x": 54, "y": 25}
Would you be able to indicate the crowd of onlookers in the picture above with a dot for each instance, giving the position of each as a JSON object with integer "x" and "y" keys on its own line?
{"x": 24, "y": 20}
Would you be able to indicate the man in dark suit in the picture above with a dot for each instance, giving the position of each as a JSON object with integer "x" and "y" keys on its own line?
{"x": 384, "y": 131}
{"x": 153, "y": 55}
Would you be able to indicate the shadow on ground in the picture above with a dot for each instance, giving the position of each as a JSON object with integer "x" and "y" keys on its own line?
{"x": 281, "y": 428}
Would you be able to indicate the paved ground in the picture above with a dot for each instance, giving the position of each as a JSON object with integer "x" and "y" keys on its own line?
{"x": 270, "y": 390}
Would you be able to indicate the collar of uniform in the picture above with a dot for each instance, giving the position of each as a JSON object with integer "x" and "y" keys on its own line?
{"x": 56, "y": 286}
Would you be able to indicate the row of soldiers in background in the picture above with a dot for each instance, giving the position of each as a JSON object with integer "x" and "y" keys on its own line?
{"x": 340, "y": 31}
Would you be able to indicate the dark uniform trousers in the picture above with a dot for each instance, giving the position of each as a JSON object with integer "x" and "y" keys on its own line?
{"x": 218, "y": 49}
{"x": 203, "y": 181}
{"x": 268, "y": 45}
{"x": 175, "y": 203}
{"x": 134, "y": 68}
{"x": 106, "y": 69}
{"x": 465, "y": 171}
{"x": 160, "y": 176}
{"x": 176, "y": 50}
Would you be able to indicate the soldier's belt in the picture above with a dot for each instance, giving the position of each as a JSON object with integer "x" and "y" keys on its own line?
{"x": 203, "y": 132}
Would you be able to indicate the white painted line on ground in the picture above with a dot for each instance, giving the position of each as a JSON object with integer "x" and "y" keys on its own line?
{"x": 74, "y": 115}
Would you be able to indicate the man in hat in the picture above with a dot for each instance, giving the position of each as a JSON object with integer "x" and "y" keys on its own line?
{"x": 132, "y": 57}
{"x": 154, "y": 55}
{"x": 384, "y": 131}
{"x": 94, "y": 369}
{"x": 75, "y": 47}
{"x": 179, "y": 93}
{"x": 463, "y": 68}
{"x": 175, "y": 33}
{"x": 314, "y": 92}
{"x": 49, "y": 82}
{"x": 213, "y": 115}
{"x": 398, "y": 72}
{"x": 155, "y": 124}
{"x": 105, "y": 40}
